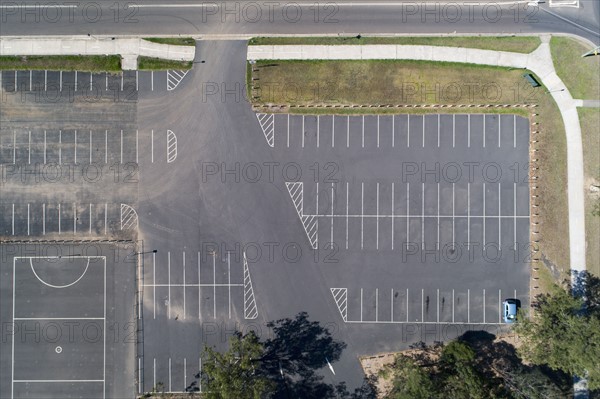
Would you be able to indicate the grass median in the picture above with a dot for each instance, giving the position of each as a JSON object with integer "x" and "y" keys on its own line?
{"x": 517, "y": 44}
{"x": 159, "y": 64}
{"x": 590, "y": 120}
{"x": 402, "y": 82}
{"x": 87, "y": 63}
{"x": 580, "y": 75}
{"x": 175, "y": 41}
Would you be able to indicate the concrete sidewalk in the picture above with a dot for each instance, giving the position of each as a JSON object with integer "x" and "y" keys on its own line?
{"x": 129, "y": 49}
{"x": 539, "y": 62}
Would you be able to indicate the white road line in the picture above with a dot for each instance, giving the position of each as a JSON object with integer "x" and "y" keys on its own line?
{"x": 60, "y": 147}
{"x": 423, "y": 131}
{"x": 44, "y": 218}
{"x": 170, "y": 375}
{"x": 121, "y": 145}
{"x": 484, "y": 305}
{"x": 408, "y": 131}
{"x": 422, "y": 217}
{"x": 13, "y": 219}
{"x": 154, "y": 288}
{"x": 438, "y": 217}
{"x": 392, "y": 306}
{"x": 75, "y": 147}
{"x": 468, "y": 215}
{"x": 27, "y": 219}
{"x": 363, "y": 131}
{"x": 29, "y": 150}
{"x": 45, "y": 146}
{"x": 214, "y": 286}
{"x": 407, "y": 305}
{"x": 393, "y": 216}
{"x": 515, "y": 216}
{"x": 468, "y": 305}
{"x": 393, "y": 130}
{"x": 452, "y": 306}
{"x": 407, "y": 213}
{"x": 514, "y": 131}
{"x": 422, "y": 305}
{"x": 303, "y": 131}
{"x": 90, "y": 146}
{"x": 333, "y": 131}
{"x": 229, "y": 282}
{"x": 376, "y": 304}
{"x": 318, "y": 129}
{"x": 347, "y": 215}
{"x": 362, "y": 212}
{"x": 377, "y": 219}
{"x": 288, "y": 131}
{"x": 106, "y": 146}
{"x": 105, "y": 217}
{"x": 183, "y": 261}
{"x": 361, "y": 304}
{"x": 332, "y": 189}
{"x": 348, "y": 131}
{"x": 377, "y": 131}
{"x": 499, "y": 216}
{"x": 484, "y": 216}
{"x": 169, "y": 292}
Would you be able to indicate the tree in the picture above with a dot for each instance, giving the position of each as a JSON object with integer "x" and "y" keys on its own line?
{"x": 562, "y": 335}
{"x": 235, "y": 374}
{"x": 459, "y": 377}
{"x": 410, "y": 380}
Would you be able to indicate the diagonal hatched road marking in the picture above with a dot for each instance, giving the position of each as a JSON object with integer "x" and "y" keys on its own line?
{"x": 267, "y": 124}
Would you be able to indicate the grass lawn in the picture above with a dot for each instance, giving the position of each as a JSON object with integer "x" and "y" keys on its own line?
{"x": 155, "y": 64}
{"x": 88, "y": 63}
{"x": 422, "y": 82}
{"x": 176, "y": 41}
{"x": 517, "y": 44}
{"x": 580, "y": 75}
{"x": 590, "y": 120}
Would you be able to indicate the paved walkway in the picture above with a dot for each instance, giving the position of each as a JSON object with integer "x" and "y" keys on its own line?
{"x": 129, "y": 49}
{"x": 539, "y": 62}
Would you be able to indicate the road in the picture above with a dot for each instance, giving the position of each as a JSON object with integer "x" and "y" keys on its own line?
{"x": 245, "y": 18}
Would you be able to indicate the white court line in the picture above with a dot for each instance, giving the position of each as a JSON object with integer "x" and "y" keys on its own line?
{"x": 347, "y": 215}
{"x": 348, "y": 131}
{"x": 332, "y": 190}
{"x": 318, "y": 129}
{"x": 154, "y": 288}
{"x": 229, "y": 282}
{"x": 29, "y": 150}
{"x": 333, "y": 131}
{"x": 363, "y": 131}
{"x": 407, "y": 213}
{"x": 377, "y": 219}
{"x": 183, "y": 262}
{"x": 361, "y": 304}
{"x": 169, "y": 292}
{"x": 362, "y": 212}
{"x": 393, "y": 216}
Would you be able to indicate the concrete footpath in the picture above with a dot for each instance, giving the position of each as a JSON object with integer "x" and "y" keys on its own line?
{"x": 538, "y": 61}
{"x": 129, "y": 48}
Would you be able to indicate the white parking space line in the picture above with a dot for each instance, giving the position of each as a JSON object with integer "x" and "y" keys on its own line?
{"x": 484, "y": 217}
{"x": 137, "y": 145}
{"x": 29, "y": 150}
{"x": 90, "y": 221}
{"x": 199, "y": 290}
{"x": 91, "y": 84}
{"x": 452, "y": 306}
{"x": 288, "y": 131}
{"x": 393, "y": 216}
{"x": 60, "y": 80}
{"x": 438, "y": 130}
{"x": 45, "y": 80}
{"x": 303, "y": 131}
{"x": 16, "y": 81}
{"x": 13, "y": 219}
{"x": 361, "y": 304}
{"x": 453, "y": 130}
{"x": 484, "y": 305}
{"x": 121, "y": 145}
{"x": 407, "y": 213}
{"x": 75, "y": 146}
{"x": 453, "y": 215}
{"x": 14, "y": 147}
{"x": 152, "y": 81}
{"x": 106, "y": 146}
{"x": 229, "y": 281}
{"x": 183, "y": 262}
{"x": 318, "y": 129}
{"x": 499, "y": 306}
{"x": 154, "y": 287}
{"x": 122, "y": 81}
{"x": 90, "y": 146}
{"x": 137, "y": 84}
{"x": 214, "y": 286}
{"x": 154, "y": 372}
{"x": 376, "y": 219}
{"x": 423, "y": 145}
{"x": 152, "y": 145}
{"x": 392, "y": 305}
{"x": 362, "y": 213}
{"x": 105, "y": 218}
{"x": 45, "y": 146}
{"x": 348, "y": 131}
{"x": 514, "y": 131}
{"x": 393, "y": 130}
{"x": 468, "y": 306}
{"x": 499, "y": 216}
{"x": 423, "y": 213}
{"x": 184, "y": 371}
{"x": 332, "y": 211}
{"x": 333, "y": 131}
{"x": 422, "y": 305}
{"x": 75, "y": 80}
{"x": 376, "y": 305}
{"x": 407, "y": 305}
{"x": 106, "y": 82}
{"x": 347, "y": 215}
{"x": 469, "y": 131}
{"x": 515, "y": 216}
{"x": 170, "y": 390}
{"x": 44, "y": 219}
{"x": 60, "y": 147}
{"x": 438, "y": 305}
{"x": 483, "y": 131}
{"x": 27, "y": 219}
{"x": 363, "y": 131}
{"x": 408, "y": 131}
{"x": 499, "y": 129}
{"x": 59, "y": 223}
{"x": 30, "y": 79}
{"x": 377, "y": 131}
{"x": 468, "y": 215}
{"x": 169, "y": 291}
